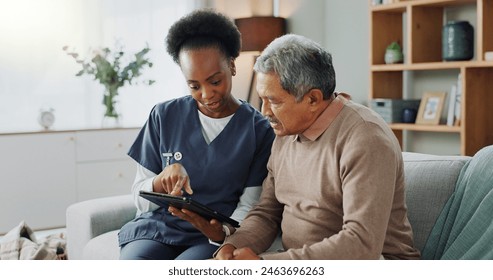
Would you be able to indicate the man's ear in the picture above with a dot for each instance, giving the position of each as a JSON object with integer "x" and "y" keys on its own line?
{"x": 315, "y": 97}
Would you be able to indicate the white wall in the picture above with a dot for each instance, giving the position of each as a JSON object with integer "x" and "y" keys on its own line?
{"x": 303, "y": 17}
{"x": 347, "y": 38}
{"x": 326, "y": 22}
{"x": 35, "y": 73}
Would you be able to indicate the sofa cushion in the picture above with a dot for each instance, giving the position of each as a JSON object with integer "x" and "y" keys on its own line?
{"x": 103, "y": 247}
{"x": 464, "y": 228}
{"x": 430, "y": 180}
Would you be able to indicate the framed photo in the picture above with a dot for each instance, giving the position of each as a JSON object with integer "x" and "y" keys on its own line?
{"x": 430, "y": 108}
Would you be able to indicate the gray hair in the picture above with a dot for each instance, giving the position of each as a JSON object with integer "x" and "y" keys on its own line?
{"x": 300, "y": 63}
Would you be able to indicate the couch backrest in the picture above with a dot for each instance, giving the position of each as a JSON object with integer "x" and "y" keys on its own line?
{"x": 430, "y": 180}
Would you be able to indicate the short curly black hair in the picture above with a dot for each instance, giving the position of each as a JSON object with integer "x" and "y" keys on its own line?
{"x": 204, "y": 28}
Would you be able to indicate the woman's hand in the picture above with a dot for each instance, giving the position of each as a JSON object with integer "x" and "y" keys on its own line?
{"x": 212, "y": 229}
{"x": 172, "y": 180}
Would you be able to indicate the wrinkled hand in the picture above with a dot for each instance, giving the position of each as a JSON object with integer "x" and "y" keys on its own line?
{"x": 226, "y": 252}
{"x": 245, "y": 254}
{"x": 212, "y": 229}
{"x": 229, "y": 252}
{"x": 172, "y": 180}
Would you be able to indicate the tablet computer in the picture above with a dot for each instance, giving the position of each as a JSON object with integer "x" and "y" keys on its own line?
{"x": 180, "y": 202}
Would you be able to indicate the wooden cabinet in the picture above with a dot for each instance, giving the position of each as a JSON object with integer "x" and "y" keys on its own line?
{"x": 417, "y": 25}
{"x": 43, "y": 173}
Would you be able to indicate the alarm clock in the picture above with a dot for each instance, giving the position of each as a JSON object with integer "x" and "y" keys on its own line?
{"x": 46, "y": 118}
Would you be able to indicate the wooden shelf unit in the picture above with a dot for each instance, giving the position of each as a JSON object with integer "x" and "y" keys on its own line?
{"x": 424, "y": 20}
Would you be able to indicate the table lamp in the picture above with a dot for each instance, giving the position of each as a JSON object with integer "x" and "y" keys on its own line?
{"x": 256, "y": 33}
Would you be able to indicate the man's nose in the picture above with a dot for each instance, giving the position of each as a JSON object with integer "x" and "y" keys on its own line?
{"x": 265, "y": 109}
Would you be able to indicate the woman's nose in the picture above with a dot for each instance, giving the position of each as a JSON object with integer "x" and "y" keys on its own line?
{"x": 207, "y": 93}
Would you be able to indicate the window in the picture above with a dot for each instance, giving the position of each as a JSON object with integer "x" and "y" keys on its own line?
{"x": 35, "y": 73}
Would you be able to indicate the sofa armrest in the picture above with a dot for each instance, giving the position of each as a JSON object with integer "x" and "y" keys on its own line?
{"x": 88, "y": 219}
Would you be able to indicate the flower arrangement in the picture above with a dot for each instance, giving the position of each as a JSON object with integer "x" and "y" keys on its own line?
{"x": 107, "y": 67}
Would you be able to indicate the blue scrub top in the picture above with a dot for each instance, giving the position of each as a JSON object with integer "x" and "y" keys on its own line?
{"x": 219, "y": 171}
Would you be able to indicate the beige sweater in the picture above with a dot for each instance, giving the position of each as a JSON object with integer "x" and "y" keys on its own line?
{"x": 336, "y": 191}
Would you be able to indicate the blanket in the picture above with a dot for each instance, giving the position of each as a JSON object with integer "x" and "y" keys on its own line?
{"x": 20, "y": 243}
{"x": 464, "y": 229}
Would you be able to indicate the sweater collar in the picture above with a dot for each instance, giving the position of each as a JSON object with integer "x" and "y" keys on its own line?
{"x": 323, "y": 121}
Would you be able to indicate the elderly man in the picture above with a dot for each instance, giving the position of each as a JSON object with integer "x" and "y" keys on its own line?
{"x": 335, "y": 187}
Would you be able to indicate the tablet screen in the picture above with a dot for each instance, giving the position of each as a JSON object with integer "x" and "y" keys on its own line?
{"x": 164, "y": 200}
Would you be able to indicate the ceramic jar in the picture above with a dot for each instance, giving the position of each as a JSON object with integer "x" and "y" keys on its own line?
{"x": 393, "y": 56}
{"x": 457, "y": 41}
{"x": 409, "y": 115}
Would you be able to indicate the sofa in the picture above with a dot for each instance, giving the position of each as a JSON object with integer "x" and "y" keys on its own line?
{"x": 92, "y": 226}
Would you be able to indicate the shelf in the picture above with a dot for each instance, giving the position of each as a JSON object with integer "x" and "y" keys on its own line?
{"x": 401, "y": 5}
{"x": 398, "y": 7}
{"x": 422, "y": 127}
{"x": 430, "y": 65}
{"x": 417, "y": 25}
{"x": 55, "y": 131}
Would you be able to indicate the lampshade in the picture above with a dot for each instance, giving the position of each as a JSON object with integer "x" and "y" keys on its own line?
{"x": 258, "y": 32}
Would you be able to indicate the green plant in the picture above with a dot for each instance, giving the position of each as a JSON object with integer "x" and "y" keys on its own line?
{"x": 394, "y": 46}
{"x": 107, "y": 67}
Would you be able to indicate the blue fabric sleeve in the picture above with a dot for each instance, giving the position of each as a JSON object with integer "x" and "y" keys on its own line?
{"x": 145, "y": 149}
{"x": 258, "y": 169}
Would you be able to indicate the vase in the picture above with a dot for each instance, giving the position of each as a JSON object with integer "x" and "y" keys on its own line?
{"x": 110, "y": 122}
{"x": 109, "y": 101}
{"x": 457, "y": 41}
{"x": 409, "y": 115}
{"x": 393, "y": 56}
{"x": 111, "y": 118}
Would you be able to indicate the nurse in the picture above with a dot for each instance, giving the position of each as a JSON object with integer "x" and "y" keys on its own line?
{"x": 208, "y": 144}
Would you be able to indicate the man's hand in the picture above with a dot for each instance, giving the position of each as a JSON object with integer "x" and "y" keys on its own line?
{"x": 212, "y": 229}
{"x": 245, "y": 254}
{"x": 172, "y": 180}
{"x": 229, "y": 252}
{"x": 226, "y": 252}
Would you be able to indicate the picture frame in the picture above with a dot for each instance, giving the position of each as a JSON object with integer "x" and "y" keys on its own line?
{"x": 430, "y": 108}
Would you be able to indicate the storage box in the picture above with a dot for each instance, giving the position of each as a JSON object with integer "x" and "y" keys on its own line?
{"x": 391, "y": 109}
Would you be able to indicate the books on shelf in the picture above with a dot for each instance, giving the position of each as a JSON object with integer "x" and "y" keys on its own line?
{"x": 451, "y": 106}
{"x": 458, "y": 100}
{"x": 453, "y": 116}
